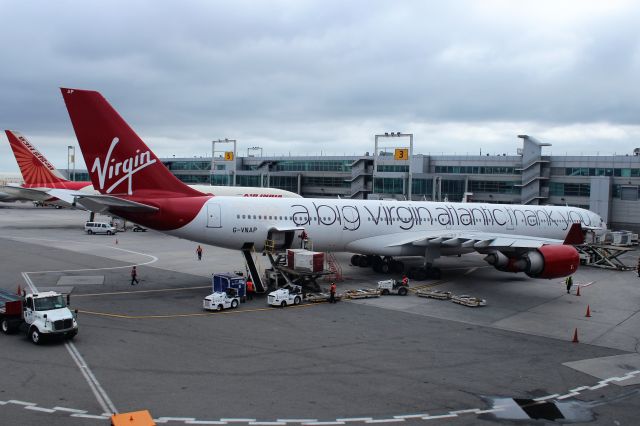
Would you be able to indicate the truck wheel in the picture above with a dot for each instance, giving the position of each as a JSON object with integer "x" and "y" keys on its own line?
{"x": 385, "y": 292}
{"x": 283, "y": 304}
{"x": 6, "y": 328}
{"x": 297, "y": 300}
{"x": 34, "y": 335}
{"x": 71, "y": 335}
{"x": 109, "y": 233}
{"x": 402, "y": 291}
{"x": 89, "y": 232}
{"x": 219, "y": 307}
{"x": 234, "y": 303}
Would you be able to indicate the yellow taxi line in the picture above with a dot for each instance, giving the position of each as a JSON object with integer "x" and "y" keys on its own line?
{"x": 140, "y": 291}
{"x": 194, "y": 314}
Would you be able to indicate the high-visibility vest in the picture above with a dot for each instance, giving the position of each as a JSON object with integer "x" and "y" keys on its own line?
{"x": 333, "y": 288}
{"x": 250, "y": 286}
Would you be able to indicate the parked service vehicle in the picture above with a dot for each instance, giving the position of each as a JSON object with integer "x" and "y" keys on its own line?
{"x": 41, "y": 314}
{"x": 290, "y": 294}
{"x": 99, "y": 228}
{"x": 387, "y": 287}
{"x": 220, "y": 300}
{"x": 138, "y": 228}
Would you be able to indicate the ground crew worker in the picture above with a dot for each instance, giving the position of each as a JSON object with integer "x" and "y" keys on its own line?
{"x": 332, "y": 293}
{"x": 250, "y": 290}
{"x": 199, "y": 252}
{"x": 303, "y": 238}
{"x": 134, "y": 276}
{"x": 569, "y": 282}
{"x": 405, "y": 280}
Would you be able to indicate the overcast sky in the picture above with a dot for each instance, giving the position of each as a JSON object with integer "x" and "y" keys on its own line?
{"x": 305, "y": 77}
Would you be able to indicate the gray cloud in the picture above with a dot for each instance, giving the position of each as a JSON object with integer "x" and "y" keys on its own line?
{"x": 301, "y": 76}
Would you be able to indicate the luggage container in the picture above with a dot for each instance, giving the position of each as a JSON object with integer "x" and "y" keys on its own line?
{"x": 221, "y": 282}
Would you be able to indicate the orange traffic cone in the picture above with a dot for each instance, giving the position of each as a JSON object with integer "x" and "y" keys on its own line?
{"x": 575, "y": 336}
{"x": 588, "y": 314}
{"x": 578, "y": 291}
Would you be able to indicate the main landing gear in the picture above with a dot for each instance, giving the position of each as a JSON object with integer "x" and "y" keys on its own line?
{"x": 387, "y": 265}
{"x": 384, "y": 265}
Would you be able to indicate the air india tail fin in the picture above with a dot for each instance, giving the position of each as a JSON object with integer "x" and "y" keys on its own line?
{"x": 35, "y": 168}
{"x": 119, "y": 162}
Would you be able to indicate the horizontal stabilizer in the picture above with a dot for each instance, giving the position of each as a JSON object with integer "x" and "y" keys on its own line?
{"x": 110, "y": 204}
{"x": 26, "y": 193}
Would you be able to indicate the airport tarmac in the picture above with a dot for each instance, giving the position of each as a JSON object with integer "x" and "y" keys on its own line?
{"x": 386, "y": 360}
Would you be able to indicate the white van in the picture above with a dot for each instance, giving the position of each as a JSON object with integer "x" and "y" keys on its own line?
{"x": 99, "y": 228}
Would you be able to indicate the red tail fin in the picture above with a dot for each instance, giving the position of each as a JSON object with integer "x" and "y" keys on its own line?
{"x": 35, "y": 168}
{"x": 119, "y": 162}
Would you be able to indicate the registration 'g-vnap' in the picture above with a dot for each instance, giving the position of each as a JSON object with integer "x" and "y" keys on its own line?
{"x": 135, "y": 185}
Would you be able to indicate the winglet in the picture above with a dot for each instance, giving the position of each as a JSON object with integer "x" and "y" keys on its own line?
{"x": 575, "y": 236}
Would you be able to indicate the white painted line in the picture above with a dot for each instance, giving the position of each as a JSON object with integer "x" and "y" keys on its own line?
{"x": 153, "y": 258}
{"x": 69, "y": 410}
{"x": 174, "y": 419}
{"x": 544, "y": 398}
{"x": 89, "y": 416}
{"x": 3, "y": 402}
{"x": 103, "y": 399}
{"x": 443, "y": 416}
{"x": 493, "y": 410}
{"x": 27, "y": 279}
{"x": 238, "y": 420}
{"x": 298, "y": 420}
{"x": 411, "y": 416}
{"x": 354, "y": 419}
{"x": 599, "y": 386}
{"x": 267, "y": 423}
{"x": 205, "y": 422}
{"x": 35, "y": 408}
{"x": 568, "y": 395}
{"x": 579, "y": 389}
{"x": 323, "y": 423}
{"x": 385, "y": 421}
{"x": 471, "y": 410}
{"x": 18, "y": 402}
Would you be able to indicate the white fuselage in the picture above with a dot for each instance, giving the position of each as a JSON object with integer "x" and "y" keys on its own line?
{"x": 372, "y": 227}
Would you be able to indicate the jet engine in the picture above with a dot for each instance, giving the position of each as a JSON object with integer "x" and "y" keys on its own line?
{"x": 552, "y": 261}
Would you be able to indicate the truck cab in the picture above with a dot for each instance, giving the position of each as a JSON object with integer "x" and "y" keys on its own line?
{"x": 47, "y": 314}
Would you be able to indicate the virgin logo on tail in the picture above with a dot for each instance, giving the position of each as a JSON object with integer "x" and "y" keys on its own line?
{"x": 111, "y": 169}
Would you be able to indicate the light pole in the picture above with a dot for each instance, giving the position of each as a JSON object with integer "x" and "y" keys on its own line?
{"x": 71, "y": 158}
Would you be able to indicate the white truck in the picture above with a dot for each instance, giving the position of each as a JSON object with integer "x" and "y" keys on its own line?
{"x": 287, "y": 295}
{"x": 41, "y": 314}
{"x": 387, "y": 287}
{"x": 220, "y": 300}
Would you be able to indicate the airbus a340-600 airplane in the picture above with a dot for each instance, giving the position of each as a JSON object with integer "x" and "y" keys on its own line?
{"x": 135, "y": 185}
{"x": 44, "y": 183}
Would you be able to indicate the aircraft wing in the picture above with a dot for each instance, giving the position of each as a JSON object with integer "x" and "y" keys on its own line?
{"x": 26, "y": 193}
{"x": 108, "y": 203}
{"x": 480, "y": 241}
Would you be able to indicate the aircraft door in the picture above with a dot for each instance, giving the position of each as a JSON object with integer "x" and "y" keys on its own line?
{"x": 213, "y": 216}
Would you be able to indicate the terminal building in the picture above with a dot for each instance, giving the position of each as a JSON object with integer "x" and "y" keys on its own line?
{"x": 607, "y": 185}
